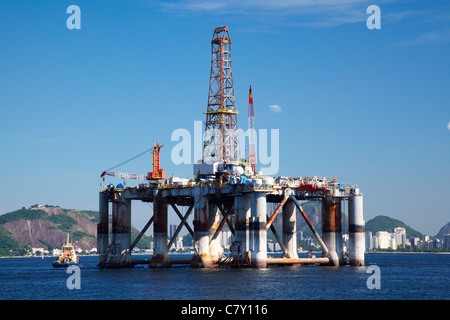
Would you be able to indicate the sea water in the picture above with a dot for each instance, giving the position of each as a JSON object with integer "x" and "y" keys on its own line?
{"x": 401, "y": 276}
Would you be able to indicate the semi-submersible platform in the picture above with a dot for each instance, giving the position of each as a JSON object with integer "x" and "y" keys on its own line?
{"x": 227, "y": 190}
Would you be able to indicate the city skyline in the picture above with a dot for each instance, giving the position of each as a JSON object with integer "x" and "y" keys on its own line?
{"x": 368, "y": 107}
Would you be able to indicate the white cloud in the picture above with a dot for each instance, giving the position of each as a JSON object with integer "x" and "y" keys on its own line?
{"x": 243, "y": 6}
{"x": 448, "y": 125}
{"x": 275, "y": 108}
{"x": 313, "y": 13}
{"x": 438, "y": 37}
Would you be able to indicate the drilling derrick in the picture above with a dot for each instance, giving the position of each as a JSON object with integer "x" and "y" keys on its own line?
{"x": 221, "y": 140}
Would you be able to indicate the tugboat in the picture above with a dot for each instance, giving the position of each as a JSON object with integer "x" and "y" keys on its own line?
{"x": 68, "y": 257}
{"x": 311, "y": 255}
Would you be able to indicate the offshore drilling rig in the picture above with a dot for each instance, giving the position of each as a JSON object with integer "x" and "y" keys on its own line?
{"x": 227, "y": 190}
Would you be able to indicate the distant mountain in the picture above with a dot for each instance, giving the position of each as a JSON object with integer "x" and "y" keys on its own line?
{"x": 384, "y": 223}
{"x": 444, "y": 230}
{"x": 47, "y": 227}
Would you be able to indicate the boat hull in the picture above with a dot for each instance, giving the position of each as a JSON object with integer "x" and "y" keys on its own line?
{"x": 64, "y": 265}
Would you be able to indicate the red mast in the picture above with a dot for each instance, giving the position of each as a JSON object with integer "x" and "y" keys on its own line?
{"x": 251, "y": 127}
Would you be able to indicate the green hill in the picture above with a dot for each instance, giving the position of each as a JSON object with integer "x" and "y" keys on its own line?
{"x": 443, "y": 231}
{"x": 48, "y": 226}
{"x": 384, "y": 223}
{"x": 9, "y": 245}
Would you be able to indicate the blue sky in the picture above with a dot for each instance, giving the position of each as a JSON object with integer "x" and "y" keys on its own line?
{"x": 368, "y": 107}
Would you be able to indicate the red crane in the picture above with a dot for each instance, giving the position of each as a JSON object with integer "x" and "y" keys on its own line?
{"x": 156, "y": 174}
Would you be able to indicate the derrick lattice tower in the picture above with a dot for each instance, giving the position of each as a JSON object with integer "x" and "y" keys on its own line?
{"x": 221, "y": 140}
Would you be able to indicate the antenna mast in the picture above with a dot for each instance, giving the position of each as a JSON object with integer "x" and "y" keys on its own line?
{"x": 251, "y": 127}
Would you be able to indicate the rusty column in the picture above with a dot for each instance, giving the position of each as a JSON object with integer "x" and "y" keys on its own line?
{"x": 160, "y": 258}
{"x": 123, "y": 223}
{"x": 102, "y": 228}
{"x": 290, "y": 230}
{"x": 356, "y": 227}
{"x": 331, "y": 228}
{"x": 242, "y": 209}
{"x": 215, "y": 244}
{"x": 119, "y": 254}
{"x": 202, "y": 258}
{"x": 258, "y": 230}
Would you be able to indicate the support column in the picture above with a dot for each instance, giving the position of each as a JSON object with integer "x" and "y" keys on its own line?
{"x": 290, "y": 230}
{"x": 330, "y": 229}
{"x": 202, "y": 258}
{"x": 215, "y": 244}
{"x": 119, "y": 254}
{"x": 356, "y": 227}
{"x": 102, "y": 228}
{"x": 160, "y": 258}
{"x": 258, "y": 230}
{"x": 123, "y": 224}
{"x": 242, "y": 209}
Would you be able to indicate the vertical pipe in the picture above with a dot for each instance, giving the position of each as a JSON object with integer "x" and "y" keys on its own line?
{"x": 242, "y": 209}
{"x": 329, "y": 230}
{"x": 102, "y": 228}
{"x": 338, "y": 232}
{"x": 290, "y": 230}
{"x": 356, "y": 227}
{"x": 258, "y": 230}
{"x": 160, "y": 258}
{"x": 114, "y": 222}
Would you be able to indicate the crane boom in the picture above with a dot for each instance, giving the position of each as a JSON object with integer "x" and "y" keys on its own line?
{"x": 124, "y": 175}
{"x": 156, "y": 174}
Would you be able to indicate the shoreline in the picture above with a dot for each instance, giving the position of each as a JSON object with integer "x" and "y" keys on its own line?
{"x": 96, "y": 255}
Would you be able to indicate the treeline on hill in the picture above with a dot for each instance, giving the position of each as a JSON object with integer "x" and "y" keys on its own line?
{"x": 10, "y": 246}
